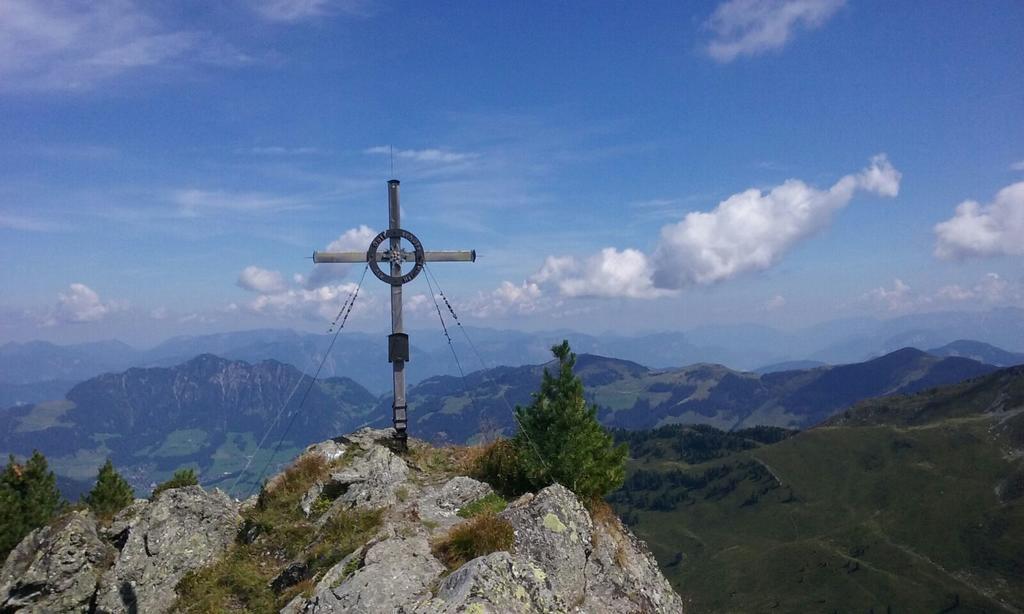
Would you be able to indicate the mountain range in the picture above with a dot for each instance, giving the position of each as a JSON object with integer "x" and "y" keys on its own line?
{"x": 361, "y": 355}
{"x": 211, "y": 413}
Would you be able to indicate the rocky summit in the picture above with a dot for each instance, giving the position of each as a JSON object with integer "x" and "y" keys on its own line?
{"x": 351, "y": 526}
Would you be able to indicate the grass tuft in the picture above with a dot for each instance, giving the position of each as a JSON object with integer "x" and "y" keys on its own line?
{"x": 478, "y": 536}
{"x": 493, "y": 503}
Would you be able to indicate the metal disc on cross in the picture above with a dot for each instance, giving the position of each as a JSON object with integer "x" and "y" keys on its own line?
{"x": 396, "y": 258}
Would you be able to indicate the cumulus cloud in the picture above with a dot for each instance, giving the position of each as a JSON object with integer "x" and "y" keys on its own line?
{"x": 609, "y": 273}
{"x": 67, "y": 45}
{"x": 255, "y": 279}
{"x": 508, "y": 298}
{"x": 984, "y": 230}
{"x": 752, "y": 230}
{"x": 749, "y": 231}
{"x": 352, "y": 240}
{"x": 992, "y": 289}
{"x": 443, "y": 156}
{"x": 79, "y": 304}
{"x": 753, "y": 27}
{"x": 897, "y": 297}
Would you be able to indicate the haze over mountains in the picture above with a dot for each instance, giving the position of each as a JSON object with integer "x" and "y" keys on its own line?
{"x": 362, "y": 356}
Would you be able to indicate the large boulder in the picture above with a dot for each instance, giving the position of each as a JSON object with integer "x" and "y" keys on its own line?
{"x": 622, "y": 575}
{"x": 553, "y": 529}
{"x": 183, "y": 530}
{"x": 497, "y": 583}
{"x": 440, "y": 506}
{"x": 394, "y": 575}
{"x": 55, "y": 568}
{"x": 371, "y": 481}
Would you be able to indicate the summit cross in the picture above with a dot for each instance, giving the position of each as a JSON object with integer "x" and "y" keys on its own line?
{"x": 396, "y": 256}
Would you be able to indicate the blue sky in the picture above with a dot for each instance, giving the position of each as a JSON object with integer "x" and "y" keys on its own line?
{"x": 167, "y": 168}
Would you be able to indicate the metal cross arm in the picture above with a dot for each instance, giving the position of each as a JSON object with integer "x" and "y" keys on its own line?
{"x": 353, "y": 257}
{"x": 398, "y": 340}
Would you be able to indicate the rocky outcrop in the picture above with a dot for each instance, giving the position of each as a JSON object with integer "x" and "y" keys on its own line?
{"x": 184, "y": 529}
{"x": 55, "y": 568}
{"x": 561, "y": 559}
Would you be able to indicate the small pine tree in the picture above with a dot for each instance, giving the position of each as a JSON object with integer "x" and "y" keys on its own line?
{"x": 562, "y": 441}
{"x": 111, "y": 494}
{"x": 181, "y": 478}
{"x": 29, "y": 498}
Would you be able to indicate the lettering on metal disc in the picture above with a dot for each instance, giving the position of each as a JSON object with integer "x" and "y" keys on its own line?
{"x": 392, "y": 233}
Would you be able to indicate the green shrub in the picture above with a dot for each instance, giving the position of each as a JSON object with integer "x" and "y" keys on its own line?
{"x": 180, "y": 479}
{"x": 28, "y": 499}
{"x": 493, "y": 503}
{"x": 501, "y": 465}
{"x": 110, "y": 495}
{"x": 560, "y": 439}
{"x": 481, "y": 535}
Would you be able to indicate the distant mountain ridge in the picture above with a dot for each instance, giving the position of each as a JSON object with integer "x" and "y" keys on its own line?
{"x": 982, "y": 352}
{"x": 209, "y": 413}
{"x": 633, "y": 396}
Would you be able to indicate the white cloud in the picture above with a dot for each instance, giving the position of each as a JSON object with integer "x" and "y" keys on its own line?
{"x": 291, "y": 11}
{"x": 609, "y": 273}
{"x": 752, "y": 230}
{"x": 195, "y": 202}
{"x": 896, "y": 298}
{"x": 443, "y": 156}
{"x": 992, "y": 289}
{"x": 65, "y": 45}
{"x": 752, "y": 27}
{"x": 352, "y": 240}
{"x": 1017, "y": 166}
{"x": 80, "y": 304}
{"x": 749, "y": 231}
{"x": 255, "y": 279}
{"x": 28, "y": 224}
{"x": 984, "y": 230}
{"x": 320, "y": 303}
{"x": 508, "y": 298}
{"x": 776, "y": 302}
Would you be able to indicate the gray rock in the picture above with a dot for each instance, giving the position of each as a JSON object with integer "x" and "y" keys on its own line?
{"x": 623, "y": 576}
{"x": 440, "y": 506}
{"x": 370, "y": 482}
{"x": 331, "y": 450}
{"x": 183, "y": 530}
{"x": 122, "y": 523}
{"x": 395, "y": 576}
{"x": 553, "y": 530}
{"x": 55, "y": 568}
{"x": 498, "y": 583}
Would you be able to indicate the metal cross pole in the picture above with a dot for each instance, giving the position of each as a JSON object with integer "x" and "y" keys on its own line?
{"x": 398, "y": 340}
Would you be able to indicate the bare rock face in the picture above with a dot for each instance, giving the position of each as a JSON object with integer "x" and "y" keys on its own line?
{"x": 395, "y": 575}
{"x": 441, "y": 506}
{"x": 553, "y": 529}
{"x": 622, "y": 574}
{"x": 183, "y": 530}
{"x": 495, "y": 584}
{"x": 370, "y": 482}
{"x": 55, "y": 568}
